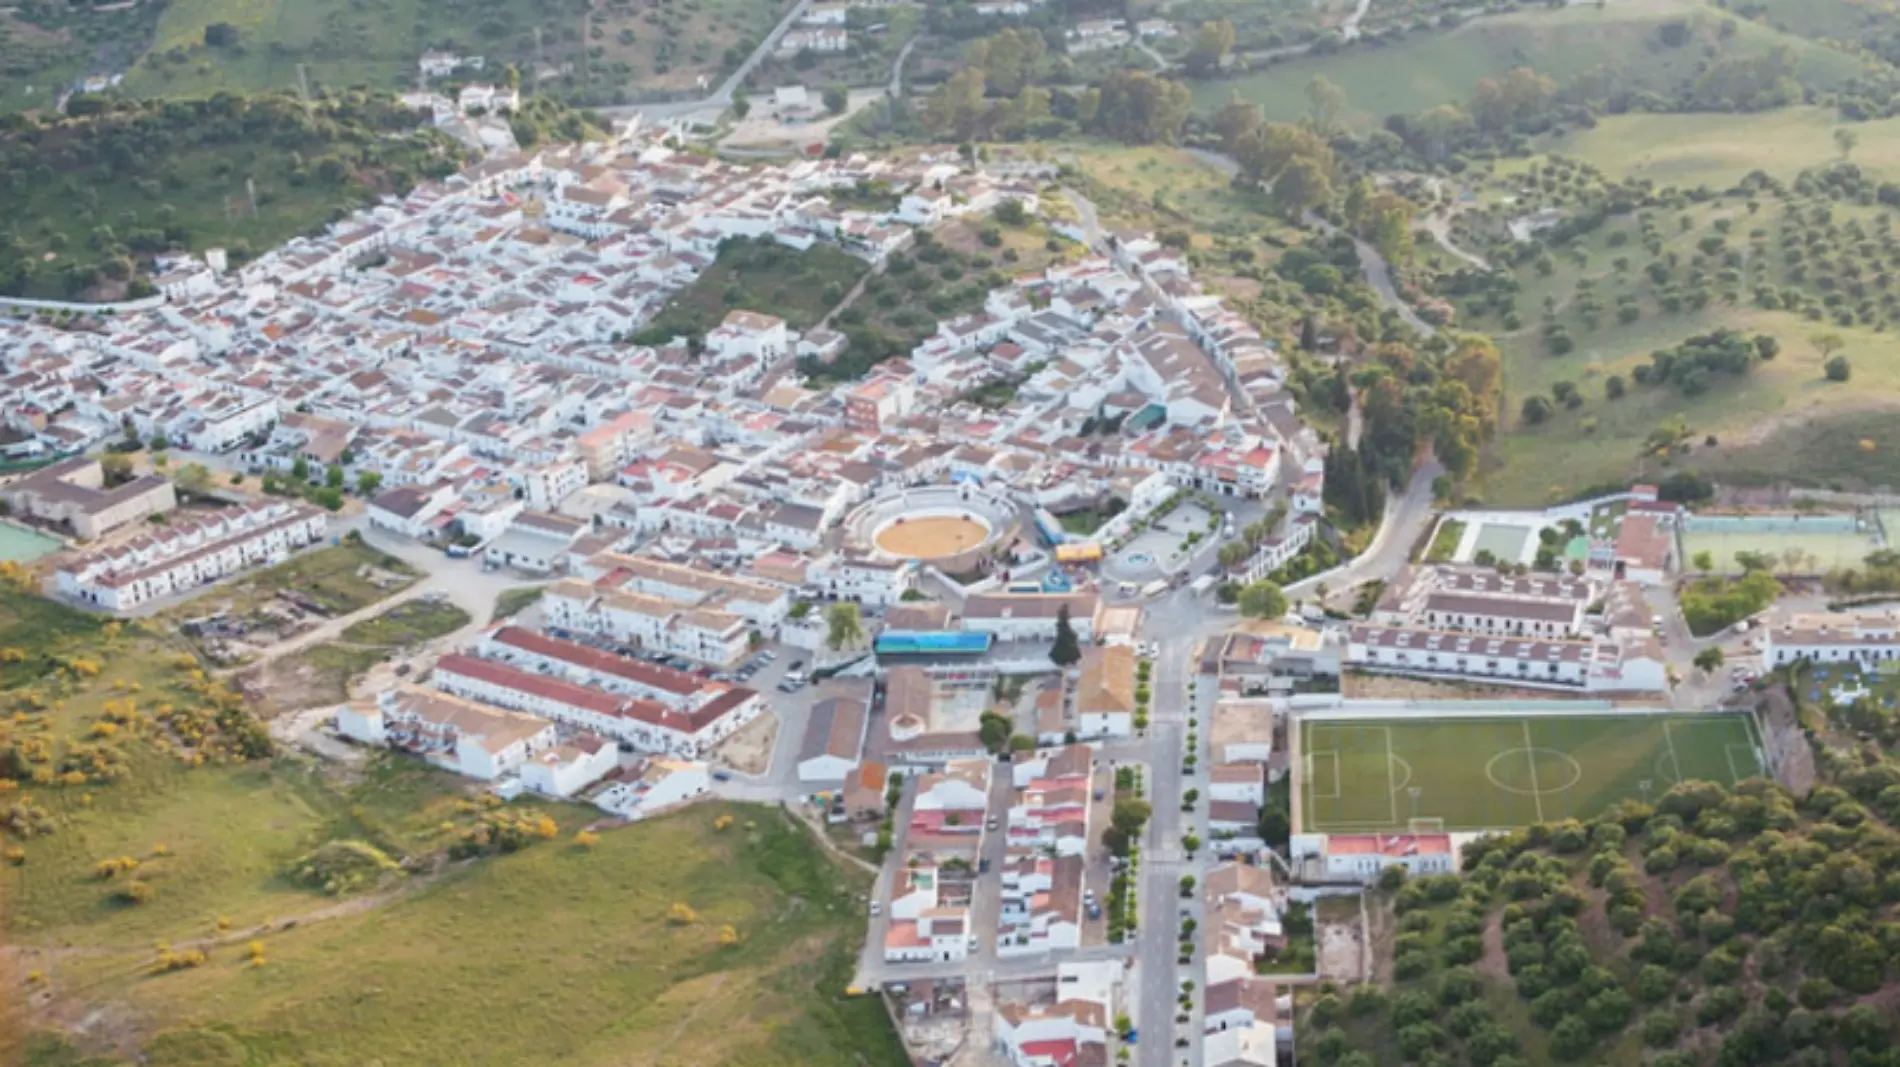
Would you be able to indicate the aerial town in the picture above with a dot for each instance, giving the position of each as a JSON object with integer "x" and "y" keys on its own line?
{"x": 1119, "y": 796}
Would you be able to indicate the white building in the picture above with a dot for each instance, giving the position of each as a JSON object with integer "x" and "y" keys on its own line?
{"x": 195, "y": 549}
{"x": 1858, "y": 637}
{"x": 566, "y": 769}
{"x": 655, "y": 786}
{"x": 1365, "y": 856}
{"x": 460, "y": 735}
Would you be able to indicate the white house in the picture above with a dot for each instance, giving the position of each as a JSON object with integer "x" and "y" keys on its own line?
{"x": 834, "y": 739}
{"x": 1030, "y": 616}
{"x": 749, "y": 333}
{"x": 409, "y": 510}
{"x": 1365, "y": 856}
{"x": 460, "y": 735}
{"x": 656, "y": 785}
{"x": 568, "y": 768}
{"x": 937, "y": 935}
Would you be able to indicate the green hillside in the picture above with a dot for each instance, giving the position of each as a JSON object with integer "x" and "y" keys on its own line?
{"x": 1618, "y": 47}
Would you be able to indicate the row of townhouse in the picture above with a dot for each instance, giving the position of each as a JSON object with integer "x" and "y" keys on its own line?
{"x": 703, "y": 634}
{"x": 1243, "y": 925}
{"x": 191, "y": 551}
{"x": 483, "y": 742}
{"x": 1539, "y": 630}
{"x": 1870, "y": 638}
{"x": 639, "y": 724}
{"x": 1044, "y": 898}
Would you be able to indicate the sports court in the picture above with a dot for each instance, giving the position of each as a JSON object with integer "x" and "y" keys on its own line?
{"x": 1798, "y": 544}
{"x": 1499, "y": 770}
{"x": 1503, "y": 540}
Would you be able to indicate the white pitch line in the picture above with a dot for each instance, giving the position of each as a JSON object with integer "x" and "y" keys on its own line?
{"x": 1675, "y": 761}
{"x": 1734, "y": 772}
{"x": 1530, "y": 753}
{"x": 1391, "y": 783}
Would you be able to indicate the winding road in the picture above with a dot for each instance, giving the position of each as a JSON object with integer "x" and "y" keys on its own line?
{"x": 1377, "y": 272}
{"x": 719, "y": 99}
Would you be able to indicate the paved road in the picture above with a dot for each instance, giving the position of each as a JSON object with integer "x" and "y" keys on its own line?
{"x": 1405, "y": 520}
{"x": 717, "y": 101}
{"x": 896, "y": 87}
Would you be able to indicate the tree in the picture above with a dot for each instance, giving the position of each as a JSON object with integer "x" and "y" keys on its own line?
{"x": 220, "y": 35}
{"x": 836, "y": 99}
{"x": 844, "y": 628}
{"x": 1303, "y": 185}
{"x": 1845, "y": 140}
{"x": 1827, "y": 343}
{"x": 193, "y": 478}
{"x": 1324, "y": 100}
{"x": 1536, "y": 410}
{"x": 1211, "y": 45}
{"x": 1838, "y": 369}
{"x": 1614, "y": 387}
{"x": 117, "y": 467}
{"x": 1704, "y": 561}
{"x": 741, "y": 104}
{"x": 1067, "y": 650}
{"x": 300, "y": 469}
{"x": 368, "y": 482}
{"x": 1709, "y": 659}
{"x": 994, "y": 730}
{"x": 1262, "y": 600}
{"x": 333, "y": 477}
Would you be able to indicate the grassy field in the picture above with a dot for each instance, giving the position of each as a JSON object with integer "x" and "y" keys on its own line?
{"x": 1753, "y": 426}
{"x": 1800, "y": 544}
{"x": 1159, "y": 185}
{"x": 558, "y": 953}
{"x": 1617, "y": 42}
{"x": 1356, "y": 776}
{"x": 321, "y": 674}
{"x": 342, "y": 578}
{"x": 1717, "y": 150}
{"x": 761, "y": 276}
{"x": 514, "y": 601}
{"x": 632, "y": 48}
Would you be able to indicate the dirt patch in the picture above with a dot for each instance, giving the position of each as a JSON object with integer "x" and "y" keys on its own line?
{"x": 1494, "y": 964}
{"x": 1342, "y": 948}
{"x": 749, "y": 751}
{"x": 1356, "y": 685}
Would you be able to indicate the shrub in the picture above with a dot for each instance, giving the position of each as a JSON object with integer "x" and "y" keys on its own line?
{"x": 341, "y": 867}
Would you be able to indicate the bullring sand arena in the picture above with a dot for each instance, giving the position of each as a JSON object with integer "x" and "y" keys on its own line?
{"x": 931, "y": 538}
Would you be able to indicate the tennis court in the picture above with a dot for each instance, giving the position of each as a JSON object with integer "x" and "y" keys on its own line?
{"x": 1496, "y": 771}
{"x": 1505, "y": 542}
{"x": 1799, "y": 544}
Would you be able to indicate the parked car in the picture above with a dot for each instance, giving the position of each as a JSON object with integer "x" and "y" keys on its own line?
{"x": 722, "y": 776}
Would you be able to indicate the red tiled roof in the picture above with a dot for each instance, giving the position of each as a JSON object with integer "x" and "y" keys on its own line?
{"x": 664, "y": 679}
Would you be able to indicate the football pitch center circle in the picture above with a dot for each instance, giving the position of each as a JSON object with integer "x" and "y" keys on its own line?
{"x": 1526, "y": 756}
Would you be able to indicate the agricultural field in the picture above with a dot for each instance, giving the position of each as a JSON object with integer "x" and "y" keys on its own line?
{"x": 1716, "y": 150}
{"x": 1806, "y": 277}
{"x": 615, "y": 52}
{"x": 1616, "y": 46}
{"x": 1499, "y": 772}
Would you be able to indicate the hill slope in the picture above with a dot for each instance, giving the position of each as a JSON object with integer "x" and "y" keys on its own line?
{"x": 1620, "y": 47}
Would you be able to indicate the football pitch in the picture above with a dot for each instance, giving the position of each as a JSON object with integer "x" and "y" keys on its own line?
{"x": 1495, "y": 772}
